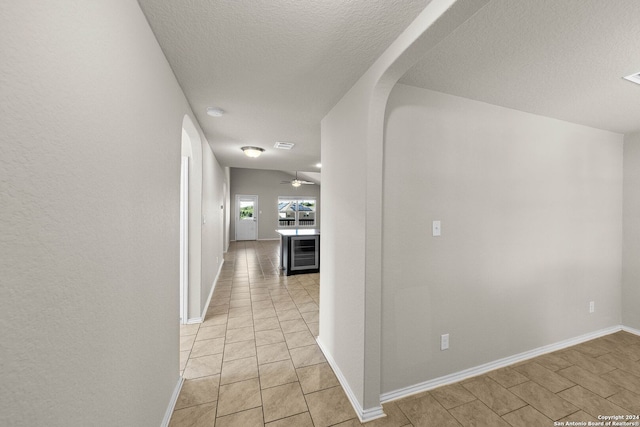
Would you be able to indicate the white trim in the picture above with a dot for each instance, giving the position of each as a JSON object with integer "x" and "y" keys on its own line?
{"x": 364, "y": 415}
{"x": 297, "y": 215}
{"x": 184, "y": 239}
{"x": 200, "y": 319}
{"x": 299, "y": 198}
{"x": 172, "y": 403}
{"x": 213, "y": 287}
{"x": 631, "y": 330}
{"x": 501, "y": 363}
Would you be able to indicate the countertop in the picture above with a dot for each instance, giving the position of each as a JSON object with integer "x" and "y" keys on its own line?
{"x": 298, "y": 232}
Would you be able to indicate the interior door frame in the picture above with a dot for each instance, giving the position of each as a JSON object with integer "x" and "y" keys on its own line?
{"x": 255, "y": 212}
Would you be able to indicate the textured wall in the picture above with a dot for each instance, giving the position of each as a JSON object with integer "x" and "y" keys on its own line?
{"x": 531, "y": 212}
{"x": 91, "y": 118}
{"x": 631, "y": 242}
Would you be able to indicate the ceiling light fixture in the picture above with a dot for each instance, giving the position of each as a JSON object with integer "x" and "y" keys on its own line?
{"x": 318, "y": 165}
{"x": 252, "y": 151}
{"x": 215, "y": 111}
{"x": 297, "y": 182}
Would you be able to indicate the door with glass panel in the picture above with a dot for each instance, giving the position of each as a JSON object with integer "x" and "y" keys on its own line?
{"x": 246, "y": 217}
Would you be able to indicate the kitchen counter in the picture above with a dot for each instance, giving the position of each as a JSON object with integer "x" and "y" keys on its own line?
{"x": 298, "y": 232}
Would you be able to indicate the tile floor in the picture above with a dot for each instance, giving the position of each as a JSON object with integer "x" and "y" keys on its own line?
{"x": 254, "y": 362}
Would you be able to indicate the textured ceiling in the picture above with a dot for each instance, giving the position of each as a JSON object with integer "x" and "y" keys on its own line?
{"x": 276, "y": 66}
{"x": 557, "y": 58}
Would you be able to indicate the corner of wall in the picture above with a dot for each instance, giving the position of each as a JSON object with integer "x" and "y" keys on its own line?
{"x": 631, "y": 232}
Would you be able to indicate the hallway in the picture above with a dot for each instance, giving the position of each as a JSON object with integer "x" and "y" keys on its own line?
{"x": 254, "y": 362}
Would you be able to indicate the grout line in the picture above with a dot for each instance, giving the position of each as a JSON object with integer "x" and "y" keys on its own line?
{"x": 238, "y": 276}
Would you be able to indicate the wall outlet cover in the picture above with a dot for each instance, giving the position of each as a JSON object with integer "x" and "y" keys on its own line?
{"x": 444, "y": 342}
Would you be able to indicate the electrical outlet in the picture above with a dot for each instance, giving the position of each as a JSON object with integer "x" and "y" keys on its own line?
{"x": 444, "y": 342}
{"x": 592, "y": 306}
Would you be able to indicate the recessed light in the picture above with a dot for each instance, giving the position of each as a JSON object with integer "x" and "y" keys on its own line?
{"x": 284, "y": 145}
{"x": 318, "y": 165}
{"x": 215, "y": 111}
{"x": 635, "y": 78}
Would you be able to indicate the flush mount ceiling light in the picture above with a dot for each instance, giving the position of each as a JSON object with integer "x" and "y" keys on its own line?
{"x": 215, "y": 111}
{"x": 635, "y": 78}
{"x": 252, "y": 151}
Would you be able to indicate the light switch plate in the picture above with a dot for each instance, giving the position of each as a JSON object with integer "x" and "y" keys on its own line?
{"x": 436, "y": 228}
{"x": 444, "y": 342}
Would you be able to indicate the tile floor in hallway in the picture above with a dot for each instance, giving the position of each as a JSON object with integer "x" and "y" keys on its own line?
{"x": 254, "y": 362}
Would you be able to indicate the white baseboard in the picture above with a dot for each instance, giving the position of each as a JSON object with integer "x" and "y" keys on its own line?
{"x": 172, "y": 403}
{"x": 364, "y": 415}
{"x": 497, "y": 364}
{"x": 200, "y": 319}
{"x": 213, "y": 288}
{"x": 631, "y": 330}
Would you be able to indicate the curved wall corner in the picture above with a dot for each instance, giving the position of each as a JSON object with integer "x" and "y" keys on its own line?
{"x": 352, "y": 136}
{"x": 193, "y": 146}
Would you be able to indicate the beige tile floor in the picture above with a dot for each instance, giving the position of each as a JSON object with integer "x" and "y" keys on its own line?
{"x": 254, "y": 362}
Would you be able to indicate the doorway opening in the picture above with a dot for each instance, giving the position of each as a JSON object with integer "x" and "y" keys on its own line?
{"x": 184, "y": 237}
{"x": 184, "y": 227}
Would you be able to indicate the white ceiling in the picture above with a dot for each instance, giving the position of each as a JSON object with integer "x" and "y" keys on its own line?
{"x": 278, "y": 66}
{"x": 557, "y": 58}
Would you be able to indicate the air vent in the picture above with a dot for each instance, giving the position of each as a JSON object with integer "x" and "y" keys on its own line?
{"x": 635, "y": 78}
{"x": 284, "y": 145}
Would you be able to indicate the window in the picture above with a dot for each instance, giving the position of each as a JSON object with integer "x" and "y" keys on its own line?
{"x": 246, "y": 210}
{"x": 296, "y": 212}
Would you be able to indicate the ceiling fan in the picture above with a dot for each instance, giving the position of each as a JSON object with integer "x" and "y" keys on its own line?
{"x": 297, "y": 182}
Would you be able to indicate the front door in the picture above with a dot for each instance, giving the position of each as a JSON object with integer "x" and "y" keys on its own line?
{"x": 246, "y": 217}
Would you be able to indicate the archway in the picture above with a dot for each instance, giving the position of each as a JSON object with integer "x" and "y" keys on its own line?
{"x": 191, "y": 222}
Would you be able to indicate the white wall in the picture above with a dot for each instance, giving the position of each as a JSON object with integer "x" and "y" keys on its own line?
{"x": 531, "y": 212}
{"x": 213, "y": 211}
{"x": 631, "y": 242}
{"x": 89, "y": 216}
{"x": 352, "y": 252}
{"x": 266, "y": 185}
{"x": 227, "y": 207}
{"x": 342, "y": 242}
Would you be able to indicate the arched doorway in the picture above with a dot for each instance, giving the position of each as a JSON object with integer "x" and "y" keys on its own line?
{"x": 190, "y": 222}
